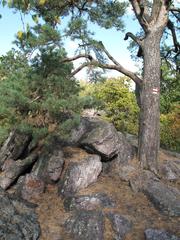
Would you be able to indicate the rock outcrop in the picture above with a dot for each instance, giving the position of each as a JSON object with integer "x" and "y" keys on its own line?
{"x": 32, "y": 187}
{"x": 49, "y": 165}
{"x": 79, "y": 175}
{"x": 159, "y": 234}
{"x": 87, "y": 225}
{"x": 88, "y": 202}
{"x": 14, "y": 169}
{"x": 101, "y": 138}
{"x": 95, "y": 147}
{"x": 120, "y": 225}
{"x": 165, "y": 198}
{"x": 14, "y": 146}
{"x": 170, "y": 170}
{"x": 18, "y": 220}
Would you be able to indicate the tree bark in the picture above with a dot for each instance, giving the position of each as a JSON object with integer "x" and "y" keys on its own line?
{"x": 149, "y": 139}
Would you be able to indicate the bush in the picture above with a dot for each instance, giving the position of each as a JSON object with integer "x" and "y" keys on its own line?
{"x": 37, "y": 97}
{"x": 170, "y": 129}
{"x": 117, "y": 100}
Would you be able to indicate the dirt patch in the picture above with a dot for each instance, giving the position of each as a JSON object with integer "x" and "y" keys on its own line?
{"x": 51, "y": 215}
{"x": 135, "y": 206}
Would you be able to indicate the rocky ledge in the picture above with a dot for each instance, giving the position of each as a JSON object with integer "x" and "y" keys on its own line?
{"x": 99, "y": 183}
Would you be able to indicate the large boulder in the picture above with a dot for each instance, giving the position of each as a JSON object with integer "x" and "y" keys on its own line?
{"x": 32, "y": 187}
{"x": 159, "y": 234}
{"x": 14, "y": 146}
{"x": 87, "y": 225}
{"x": 164, "y": 198}
{"x": 126, "y": 151}
{"x": 102, "y": 138}
{"x": 124, "y": 171}
{"x": 49, "y": 165}
{"x": 13, "y": 169}
{"x": 170, "y": 170}
{"x": 139, "y": 181}
{"x": 79, "y": 175}
{"x": 120, "y": 224}
{"x": 88, "y": 202}
{"x": 78, "y": 132}
{"x": 18, "y": 220}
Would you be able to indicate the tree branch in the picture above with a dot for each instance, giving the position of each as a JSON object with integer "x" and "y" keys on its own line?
{"x": 118, "y": 68}
{"x": 134, "y": 38}
{"x": 108, "y": 54}
{"x": 173, "y": 9}
{"x": 176, "y": 15}
{"x": 162, "y": 17}
{"x": 140, "y": 10}
{"x": 83, "y": 65}
{"x": 171, "y": 27}
{"x": 155, "y": 10}
{"x": 139, "y": 41}
{"x": 70, "y": 59}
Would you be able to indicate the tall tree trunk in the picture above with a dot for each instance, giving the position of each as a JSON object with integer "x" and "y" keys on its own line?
{"x": 149, "y": 139}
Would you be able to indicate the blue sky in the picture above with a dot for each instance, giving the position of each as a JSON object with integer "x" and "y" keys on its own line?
{"x": 11, "y": 23}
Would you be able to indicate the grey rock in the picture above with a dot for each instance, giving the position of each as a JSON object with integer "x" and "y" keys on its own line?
{"x": 126, "y": 151}
{"x": 170, "y": 170}
{"x": 165, "y": 198}
{"x": 18, "y": 220}
{"x": 88, "y": 202}
{"x": 171, "y": 153}
{"x": 120, "y": 224}
{"x": 55, "y": 165}
{"x": 14, "y": 146}
{"x": 133, "y": 139}
{"x": 141, "y": 179}
{"x": 32, "y": 187}
{"x": 14, "y": 169}
{"x": 49, "y": 166}
{"x": 159, "y": 234}
{"x": 79, "y": 175}
{"x": 78, "y": 132}
{"x": 123, "y": 171}
{"x": 102, "y": 138}
{"x": 86, "y": 225}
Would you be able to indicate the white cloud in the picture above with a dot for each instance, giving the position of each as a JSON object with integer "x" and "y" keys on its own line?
{"x": 71, "y": 45}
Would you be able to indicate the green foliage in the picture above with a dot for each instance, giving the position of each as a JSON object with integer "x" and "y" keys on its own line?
{"x": 170, "y": 129}
{"x": 37, "y": 97}
{"x": 170, "y": 88}
{"x": 170, "y": 108}
{"x": 119, "y": 103}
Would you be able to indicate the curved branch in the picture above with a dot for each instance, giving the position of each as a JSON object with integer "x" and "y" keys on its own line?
{"x": 176, "y": 15}
{"x": 108, "y": 54}
{"x": 162, "y": 17}
{"x": 171, "y": 27}
{"x": 70, "y": 59}
{"x": 173, "y": 9}
{"x": 134, "y": 38}
{"x": 140, "y": 13}
{"x": 155, "y": 10}
{"x": 118, "y": 68}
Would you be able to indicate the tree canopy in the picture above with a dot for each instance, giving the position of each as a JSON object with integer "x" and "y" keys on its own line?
{"x": 157, "y": 20}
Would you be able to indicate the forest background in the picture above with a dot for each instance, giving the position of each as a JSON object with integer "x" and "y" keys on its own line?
{"x": 37, "y": 95}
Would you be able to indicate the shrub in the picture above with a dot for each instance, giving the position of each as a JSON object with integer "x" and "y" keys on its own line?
{"x": 170, "y": 129}
{"x": 117, "y": 100}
